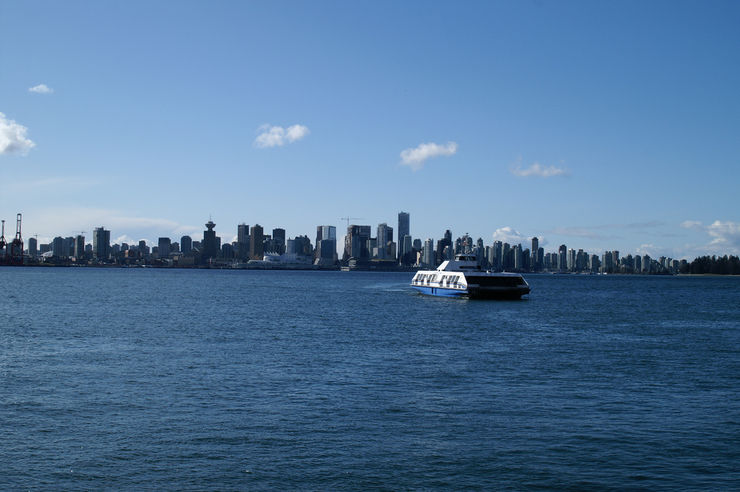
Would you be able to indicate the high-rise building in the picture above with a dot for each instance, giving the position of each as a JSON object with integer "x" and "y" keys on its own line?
{"x": 186, "y": 244}
{"x": 278, "y": 240}
{"x": 57, "y": 248}
{"x": 404, "y": 229}
{"x": 407, "y": 247}
{"x": 101, "y": 244}
{"x": 79, "y": 247}
{"x": 256, "y": 242}
{"x": 356, "y": 242}
{"x": 163, "y": 247}
{"x": 562, "y": 258}
{"x": 535, "y": 250}
{"x": 33, "y": 247}
{"x": 385, "y": 238}
{"x": 210, "y": 245}
{"x": 428, "y": 258}
{"x": 507, "y": 262}
{"x": 326, "y": 244}
{"x": 242, "y": 241}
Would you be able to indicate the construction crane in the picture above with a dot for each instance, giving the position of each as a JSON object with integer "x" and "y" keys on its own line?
{"x": 351, "y": 218}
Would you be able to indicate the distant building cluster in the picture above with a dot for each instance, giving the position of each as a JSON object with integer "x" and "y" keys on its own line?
{"x": 253, "y": 248}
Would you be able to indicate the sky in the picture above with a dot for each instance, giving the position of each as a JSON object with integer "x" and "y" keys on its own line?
{"x": 599, "y": 125}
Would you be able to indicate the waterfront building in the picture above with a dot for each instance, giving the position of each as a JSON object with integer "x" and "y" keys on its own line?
{"x": 518, "y": 258}
{"x": 256, "y": 242}
{"x": 498, "y": 249}
{"x": 57, "y": 248}
{"x": 535, "y": 249}
{"x": 278, "y": 240}
{"x": 638, "y": 263}
{"x": 101, "y": 244}
{"x": 33, "y": 247}
{"x": 562, "y": 258}
{"x": 186, "y": 244}
{"x": 227, "y": 251}
{"x": 326, "y": 245}
{"x": 384, "y": 239}
{"x": 163, "y": 247}
{"x": 242, "y": 241}
{"x": 79, "y": 247}
{"x": 143, "y": 249}
{"x": 356, "y": 242}
{"x": 210, "y": 245}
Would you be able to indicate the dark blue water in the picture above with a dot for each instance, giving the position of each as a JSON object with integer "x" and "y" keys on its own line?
{"x": 176, "y": 379}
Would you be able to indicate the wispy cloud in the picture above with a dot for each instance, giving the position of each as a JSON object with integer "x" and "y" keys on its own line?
{"x": 64, "y": 183}
{"x": 13, "y": 137}
{"x": 416, "y": 157}
{"x": 41, "y": 89}
{"x": 692, "y": 224}
{"x": 538, "y": 170}
{"x": 63, "y": 221}
{"x": 277, "y": 136}
{"x": 585, "y": 232}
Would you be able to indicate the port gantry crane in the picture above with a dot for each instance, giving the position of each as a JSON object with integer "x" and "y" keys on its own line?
{"x": 15, "y": 253}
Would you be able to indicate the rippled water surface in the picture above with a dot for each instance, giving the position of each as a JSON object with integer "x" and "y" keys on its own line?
{"x": 177, "y": 379}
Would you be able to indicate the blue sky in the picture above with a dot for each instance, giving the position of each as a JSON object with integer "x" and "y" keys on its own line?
{"x": 600, "y": 125}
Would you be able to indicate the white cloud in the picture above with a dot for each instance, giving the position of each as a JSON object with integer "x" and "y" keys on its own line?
{"x": 537, "y": 169}
{"x": 41, "y": 89}
{"x": 13, "y": 137}
{"x": 510, "y": 235}
{"x": 725, "y": 234}
{"x": 277, "y": 136}
{"x": 415, "y": 158}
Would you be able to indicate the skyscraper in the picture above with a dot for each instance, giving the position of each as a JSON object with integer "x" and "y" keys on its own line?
{"x": 33, "y": 248}
{"x": 326, "y": 245}
{"x": 385, "y": 237}
{"x": 356, "y": 242}
{"x": 79, "y": 247}
{"x": 242, "y": 240}
{"x": 535, "y": 249}
{"x": 404, "y": 229}
{"x": 101, "y": 244}
{"x": 256, "y": 242}
{"x": 186, "y": 244}
{"x": 210, "y": 247}
{"x": 278, "y": 239}
{"x": 163, "y": 247}
{"x": 428, "y": 258}
{"x": 562, "y": 258}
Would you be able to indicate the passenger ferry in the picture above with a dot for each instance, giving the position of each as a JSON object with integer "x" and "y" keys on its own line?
{"x": 464, "y": 277}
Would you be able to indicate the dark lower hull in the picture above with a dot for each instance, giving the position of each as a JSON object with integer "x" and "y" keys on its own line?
{"x": 475, "y": 292}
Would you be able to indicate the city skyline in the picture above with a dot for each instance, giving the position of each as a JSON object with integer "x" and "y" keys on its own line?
{"x": 602, "y": 126}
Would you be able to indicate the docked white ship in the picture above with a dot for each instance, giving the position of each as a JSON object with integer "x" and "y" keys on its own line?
{"x": 464, "y": 277}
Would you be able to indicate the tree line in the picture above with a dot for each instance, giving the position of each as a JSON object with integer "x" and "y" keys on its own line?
{"x": 716, "y": 265}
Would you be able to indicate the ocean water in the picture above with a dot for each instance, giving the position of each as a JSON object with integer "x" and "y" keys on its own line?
{"x": 248, "y": 380}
